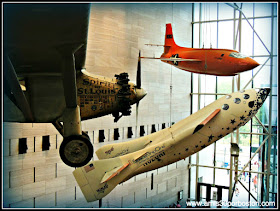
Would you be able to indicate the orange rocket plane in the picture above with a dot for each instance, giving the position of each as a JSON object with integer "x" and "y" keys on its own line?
{"x": 210, "y": 61}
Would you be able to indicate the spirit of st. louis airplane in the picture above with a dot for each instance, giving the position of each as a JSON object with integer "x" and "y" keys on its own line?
{"x": 121, "y": 161}
{"x": 210, "y": 61}
{"x": 45, "y": 79}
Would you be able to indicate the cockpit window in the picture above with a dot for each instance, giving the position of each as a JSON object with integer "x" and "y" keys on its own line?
{"x": 237, "y": 100}
{"x": 246, "y": 96}
{"x": 225, "y": 106}
{"x": 237, "y": 55}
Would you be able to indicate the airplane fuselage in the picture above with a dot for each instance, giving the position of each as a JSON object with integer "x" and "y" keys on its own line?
{"x": 167, "y": 146}
{"x": 180, "y": 141}
{"x": 97, "y": 96}
{"x": 218, "y": 62}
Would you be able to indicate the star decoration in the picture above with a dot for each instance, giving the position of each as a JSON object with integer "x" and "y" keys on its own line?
{"x": 175, "y": 56}
{"x": 242, "y": 117}
{"x": 250, "y": 113}
{"x": 227, "y": 128}
{"x": 203, "y": 146}
{"x": 232, "y": 121}
{"x": 196, "y": 146}
{"x": 210, "y": 138}
{"x": 220, "y": 136}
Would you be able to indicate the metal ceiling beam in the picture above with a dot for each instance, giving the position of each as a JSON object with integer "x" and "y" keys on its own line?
{"x": 237, "y": 8}
{"x": 256, "y": 74}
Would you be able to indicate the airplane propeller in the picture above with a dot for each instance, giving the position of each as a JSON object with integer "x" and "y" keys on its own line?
{"x": 138, "y": 82}
{"x": 123, "y": 94}
{"x": 138, "y": 76}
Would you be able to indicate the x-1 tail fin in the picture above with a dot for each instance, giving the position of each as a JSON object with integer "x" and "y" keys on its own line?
{"x": 169, "y": 40}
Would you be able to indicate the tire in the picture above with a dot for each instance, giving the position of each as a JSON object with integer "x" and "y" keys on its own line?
{"x": 85, "y": 135}
{"x": 76, "y": 150}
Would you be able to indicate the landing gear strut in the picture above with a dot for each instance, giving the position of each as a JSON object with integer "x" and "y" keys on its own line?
{"x": 76, "y": 149}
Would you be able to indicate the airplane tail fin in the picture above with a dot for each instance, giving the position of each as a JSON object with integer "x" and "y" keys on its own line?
{"x": 169, "y": 39}
{"x": 99, "y": 178}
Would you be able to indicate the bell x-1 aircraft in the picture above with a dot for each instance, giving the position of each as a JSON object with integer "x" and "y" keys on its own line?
{"x": 210, "y": 61}
{"x": 45, "y": 79}
{"x": 121, "y": 161}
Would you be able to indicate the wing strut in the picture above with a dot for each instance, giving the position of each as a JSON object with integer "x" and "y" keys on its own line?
{"x": 14, "y": 86}
{"x": 71, "y": 116}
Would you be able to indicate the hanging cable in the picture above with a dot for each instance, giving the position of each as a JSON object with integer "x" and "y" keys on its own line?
{"x": 210, "y": 26}
{"x": 204, "y": 25}
{"x": 204, "y": 89}
{"x": 207, "y": 23}
{"x": 170, "y": 96}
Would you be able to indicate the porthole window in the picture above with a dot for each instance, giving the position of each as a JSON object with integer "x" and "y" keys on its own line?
{"x": 228, "y": 96}
{"x": 225, "y": 106}
{"x": 237, "y": 100}
{"x": 251, "y": 104}
{"x": 246, "y": 96}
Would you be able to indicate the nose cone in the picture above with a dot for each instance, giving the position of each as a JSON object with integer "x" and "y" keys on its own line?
{"x": 267, "y": 90}
{"x": 252, "y": 64}
{"x": 261, "y": 96}
{"x": 140, "y": 93}
{"x": 263, "y": 92}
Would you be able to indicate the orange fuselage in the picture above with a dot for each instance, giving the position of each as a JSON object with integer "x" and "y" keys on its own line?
{"x": 220, "y": 62}
{"x": 212, "y": 61}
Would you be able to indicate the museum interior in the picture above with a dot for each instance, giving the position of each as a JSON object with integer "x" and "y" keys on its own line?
{"x": 239, "y": 170}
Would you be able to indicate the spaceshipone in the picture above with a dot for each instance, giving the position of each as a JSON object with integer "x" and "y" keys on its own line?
{"x": 210, "y": 61}
{"x": 121, "y": 161}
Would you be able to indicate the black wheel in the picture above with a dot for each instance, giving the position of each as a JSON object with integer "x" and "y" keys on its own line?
{"x": 76, "y": 151}
{"x": 85, "y": 135}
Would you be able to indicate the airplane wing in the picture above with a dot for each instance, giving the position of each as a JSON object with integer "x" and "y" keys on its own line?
{"x": 180, "y": 60}
{"x": 43, "y": 40}
{"x": 143, "y": 57}
{"x": 173, "y": 59}
{"x": 158, "y": 45}
{"x": 206, "y": 120}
